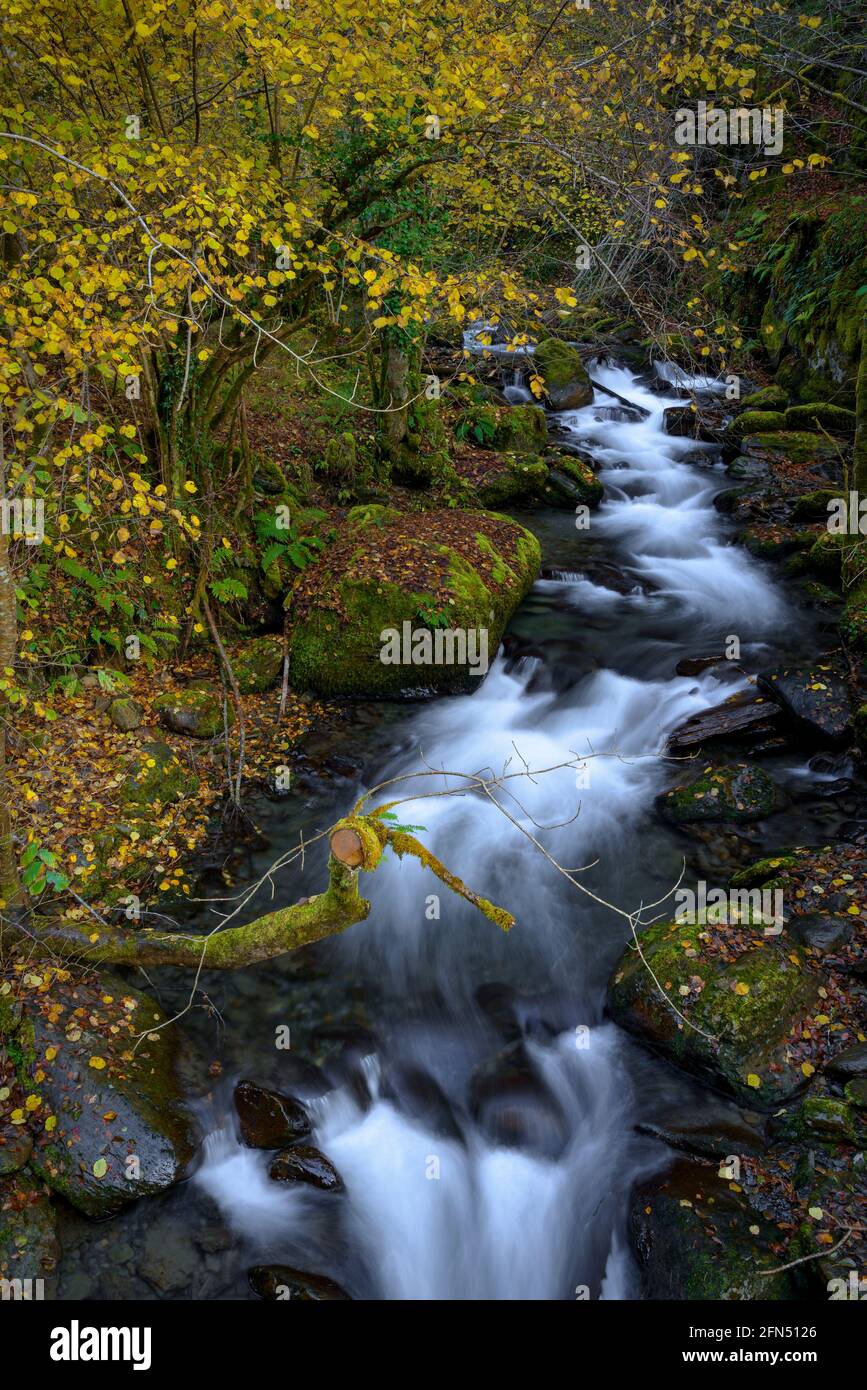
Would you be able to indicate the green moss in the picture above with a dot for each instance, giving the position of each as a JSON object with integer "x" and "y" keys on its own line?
{"x": 826, "y": 1118}
{"x": 156, "y": 776}
{"x": 756, "y": 421}
{"x": 763, "y": 871}
{"x": 820, "y": 415}
{"x": 258, "y": 665}
{"x": 567, "y": 385}
{"x": 741, "y": 1011}
{"x": 768, "y": 398}
{"x": 587, "y": 487}
{"x": 521, "y": 429}
{"x": 520, "y": 478}
{"x": 338, "y": 653}
{"x": 813, "y": 506}
{"x": 798, "y": 445}
{"x": 740, "y": 792}
{"x": 198, "y": 711}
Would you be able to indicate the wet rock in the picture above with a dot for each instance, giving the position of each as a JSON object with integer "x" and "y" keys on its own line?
{"x": 269, "y": 1120}
{"x": 816, "y": 699}
{"x": 694, "y": 665}
{"x": 819, "y": 415}
{"x": 28, "y": 1240}
{"x": 766, "y": 398}
{"x": 567, "y": 385}
{"x": 284, "y": 1282}
{"x": 196, "y": 712}
{"x": 740, "y": 1011}
{"x": 820, "y": 931}
{"x": 849, "y": 1063}
{"x": 258, "y": 665}
{"x": 744, "y": 719}
{"x": 15, "y": 1148}
{"x": 740, "y": 792}
{"x": 513, "y": 1106}
{"x": 126, "y": 714}
{"x": 710, "y": 1132}
{"x": 307, "y": 1165}
{"x": 696, "y": 1239}
{"x": 747, "y": 468}
{"x": 691, "y": 422}
{"x": 121, "y": 1129}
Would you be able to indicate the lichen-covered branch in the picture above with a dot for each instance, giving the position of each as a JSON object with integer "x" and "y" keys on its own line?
{"x": 356, "y": 842}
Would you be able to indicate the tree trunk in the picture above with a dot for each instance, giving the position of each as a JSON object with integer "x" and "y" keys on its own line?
{"x": 10, "y": 890}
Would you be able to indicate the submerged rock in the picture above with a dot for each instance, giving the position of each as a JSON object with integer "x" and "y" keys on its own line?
{"x": 307, "y": 1165}
{"x": 740, "y": 1013}
{"x": 283, "y": 1282}
{"x": 714, "y": 1131}
{"x": 741, "y": 792}
{"x": 268, "y": 1119}
{"x": 116, "y": 1126}
{"x": 29, "y": 1248}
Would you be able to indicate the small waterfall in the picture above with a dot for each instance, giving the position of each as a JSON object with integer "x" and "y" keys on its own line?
{"x": 505, "y": 1172}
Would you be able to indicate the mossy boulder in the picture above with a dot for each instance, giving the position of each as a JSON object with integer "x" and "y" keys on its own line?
{"x": 518, "y": 479}
{"x": 521, "y": 429}
{"x": 767, "y": 398}
{"x": 696, "y": 1238}
{"x": 156, "y": 776}
{"x": 114, "y": 1126}
{"x": 815, "y": 698}
{"x": 821, "y": 415}
{"x": 742, "y": 1012}
{"x": 573, "y": 481}
{"x": 801, "y": 446}
{"x": 567, "y": 385}
{"x": 739, "y": 792}
{"x": 456, "y": 574}
{"x": 197, "y": 712}
{"x": 825, "y": 1118}
{"x": 344, "y": 465}
{"x": 126, "y": 714}
{"x": 757, "y": 421}
{"x": 813, "y": 506}
{"x": 258, "y": 664}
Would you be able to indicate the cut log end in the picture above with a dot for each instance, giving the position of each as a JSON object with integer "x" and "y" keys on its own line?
{"x": 347, "y": 847}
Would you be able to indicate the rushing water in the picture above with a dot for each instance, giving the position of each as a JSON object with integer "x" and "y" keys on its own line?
{"x": 486, "y": 1134}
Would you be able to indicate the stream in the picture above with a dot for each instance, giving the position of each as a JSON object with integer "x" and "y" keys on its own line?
{"x": 478, "y": 1106}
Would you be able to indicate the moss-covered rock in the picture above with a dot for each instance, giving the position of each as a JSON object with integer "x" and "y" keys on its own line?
{"x": 823, "y": 1117}
{"x": 459, "y": 574}
{"x": 197, "y": 712}
{"x": 258, "y": 664}
{"x": 741, "y": 1012}
{"x": 740, "y": 792}
{"x": 521, "y": 429}
{"x": 767, "y": 398}
{"x": 517, "y": 480}
{"x": 697, "y": 1238}
{"x": 573, "y": 480}
{"x": 801, "y": 446}
{"x": 567, "y": 385}
{"x": 155, "y": 777}
{"x": 813, "y": 506}
{"x": 126, "y": 714}
{"x": 757, "y": 422}
{"x": 114, "y": 1125}
{"x": 820, "y": 415}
